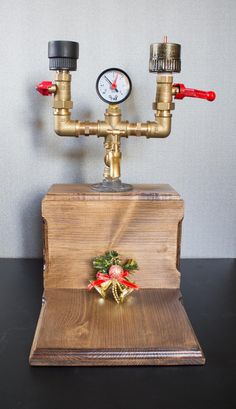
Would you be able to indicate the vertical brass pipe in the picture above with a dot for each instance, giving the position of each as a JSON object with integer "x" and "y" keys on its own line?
{"x": 112, "y": 143}
{"x": 62, "y": 105}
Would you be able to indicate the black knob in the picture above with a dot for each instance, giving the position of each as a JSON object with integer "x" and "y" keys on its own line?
{"x": 63, "y": 55}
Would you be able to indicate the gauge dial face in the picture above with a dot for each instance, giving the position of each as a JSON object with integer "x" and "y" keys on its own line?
{"x": 113, "y": 86}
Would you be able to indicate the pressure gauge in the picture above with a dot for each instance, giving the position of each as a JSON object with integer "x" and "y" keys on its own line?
{"x": 113, "y": 86}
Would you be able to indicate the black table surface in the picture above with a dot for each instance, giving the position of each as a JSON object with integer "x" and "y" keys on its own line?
{"x": 209, "y": 293}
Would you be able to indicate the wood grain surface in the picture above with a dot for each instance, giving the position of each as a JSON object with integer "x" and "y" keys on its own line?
{"x": 144, "y": 224}
{"x": 77, "y": 327}
{"x": 139, "y": 192}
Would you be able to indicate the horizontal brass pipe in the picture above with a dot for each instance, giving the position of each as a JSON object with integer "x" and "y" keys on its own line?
{"x": 157, "y": 129}
{"x": 64, "y": 126}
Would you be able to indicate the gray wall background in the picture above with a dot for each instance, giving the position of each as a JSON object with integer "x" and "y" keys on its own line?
{"x": 198, "y": 158}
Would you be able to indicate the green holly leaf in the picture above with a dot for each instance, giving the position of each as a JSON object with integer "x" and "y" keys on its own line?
{"x": 130, "y": 265}
{"x": 103, "y": 263}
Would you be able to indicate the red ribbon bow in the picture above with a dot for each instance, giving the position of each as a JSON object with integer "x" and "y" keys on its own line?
{"x": 102, "y": 278}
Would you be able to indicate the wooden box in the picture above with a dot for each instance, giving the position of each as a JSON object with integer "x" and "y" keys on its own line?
{"x": 77, "y": 327}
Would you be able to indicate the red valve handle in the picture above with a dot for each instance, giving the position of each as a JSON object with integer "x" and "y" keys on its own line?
{"x": 193, "y": 93}
{"x": 43, "y": 88}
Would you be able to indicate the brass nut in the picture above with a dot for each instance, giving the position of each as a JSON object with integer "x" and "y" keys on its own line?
{"x": 113, "y": 108}
{"x": 164, "y": 106}
{"x": 139, "y": 129}
{"x": 86, "y": 129}
{"x": 62, "y": 104}
{"x": 152, "y": 129}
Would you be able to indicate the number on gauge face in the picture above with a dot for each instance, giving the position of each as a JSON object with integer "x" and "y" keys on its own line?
{"x": 113, "y": 86}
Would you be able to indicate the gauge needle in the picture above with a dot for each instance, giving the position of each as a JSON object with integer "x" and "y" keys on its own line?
{"x": 112, "y": 86}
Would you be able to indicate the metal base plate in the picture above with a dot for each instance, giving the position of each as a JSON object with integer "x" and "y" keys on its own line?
{"x": 111, "y": 186}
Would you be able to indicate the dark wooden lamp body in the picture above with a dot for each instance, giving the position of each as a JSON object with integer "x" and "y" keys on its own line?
{"x": 77, "y": 327}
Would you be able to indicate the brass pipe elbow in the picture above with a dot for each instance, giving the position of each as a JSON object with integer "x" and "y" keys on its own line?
{"x": 161, "y": 128}
{"x": 64, "y": 126}
{"x": 164, "y": 126}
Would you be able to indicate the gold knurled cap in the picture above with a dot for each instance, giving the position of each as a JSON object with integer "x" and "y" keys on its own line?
{"x": 165, "y": 57}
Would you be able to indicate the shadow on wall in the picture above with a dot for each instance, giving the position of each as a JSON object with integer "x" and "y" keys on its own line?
{"x": 71, "y": 156}
{"x": 70, "y": 153}
{"x": 32, "y": 227}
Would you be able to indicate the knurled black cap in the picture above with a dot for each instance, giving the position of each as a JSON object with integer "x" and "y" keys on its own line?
{"x": 63, "y": 55}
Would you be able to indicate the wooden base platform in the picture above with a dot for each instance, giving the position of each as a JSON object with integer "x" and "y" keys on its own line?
{"x": 79, "y": 328}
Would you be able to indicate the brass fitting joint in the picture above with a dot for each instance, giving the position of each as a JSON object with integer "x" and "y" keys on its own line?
{"x": 63, "y": 125}
{"x": 62, "y": 105}
{"x": 161, "y": 128}
{"x": 163, "y": 106}
{"x": 164, "y": 94}
{"x": 62, "y": 97}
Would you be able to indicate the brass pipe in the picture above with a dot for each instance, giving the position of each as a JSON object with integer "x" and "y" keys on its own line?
{"x": 112, "y": 142}
{"x": 164, "y": 89}
{"x": 113, "y": 161}
{"x": 87, "y": 128}
{"x": 159, "y": 129}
